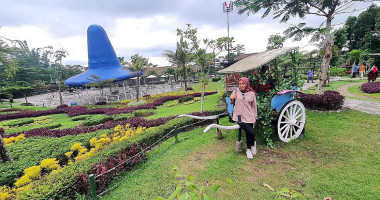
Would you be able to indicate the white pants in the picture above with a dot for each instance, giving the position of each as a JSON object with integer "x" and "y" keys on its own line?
{"x": 361, "y": 74}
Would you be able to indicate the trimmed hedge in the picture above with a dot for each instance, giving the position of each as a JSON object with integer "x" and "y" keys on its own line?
{"x": 20, "y": 122}
{"x": 62, "y": 106}
{"x": 101, "y": 103}
{"x": 96, "y": 119}
{"x": 185, "y": 99}
{"x": 370, "y": 88}
{"x": 329, "y": 100}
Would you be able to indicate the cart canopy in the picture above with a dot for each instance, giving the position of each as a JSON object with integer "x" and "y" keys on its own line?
{"x": 256, "y": 60}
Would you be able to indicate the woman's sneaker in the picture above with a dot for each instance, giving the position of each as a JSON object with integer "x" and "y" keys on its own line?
{"x": 253, "y": 149}
{"x": 249, "y": 154}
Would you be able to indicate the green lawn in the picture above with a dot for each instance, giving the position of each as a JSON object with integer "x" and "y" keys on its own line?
{"x": 338, "y": 158}
{"x": 334, "y": 85}
{"x": 7, "y": 105}
{"x": 164, "y": 111}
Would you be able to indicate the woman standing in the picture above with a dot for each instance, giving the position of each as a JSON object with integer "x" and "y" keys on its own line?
{"x": 245, "y": 113}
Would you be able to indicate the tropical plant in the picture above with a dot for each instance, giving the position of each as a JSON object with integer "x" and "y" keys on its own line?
{"x": 181, "y": 56}
{"x": 137, "y": 64}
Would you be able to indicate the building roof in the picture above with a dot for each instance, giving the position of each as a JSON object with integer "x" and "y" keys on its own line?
{"x": 256, "y": 60}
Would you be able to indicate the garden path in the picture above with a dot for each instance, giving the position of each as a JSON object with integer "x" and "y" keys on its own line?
{"x": 364, "y": 106}
{"x": 360, "y": 105}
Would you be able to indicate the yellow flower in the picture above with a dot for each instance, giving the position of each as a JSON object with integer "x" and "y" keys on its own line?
{"x": 69, "y": 154}
{"x": 70, "y": 163}
{"x": 33, "y": 172}
{"x": 117, "y": 128}
{"x": 93, "y": 141}
{"x": 103, "y": 136}
{"x": 82, "y": 151}
{"x": 77, "y": 147}
{"x": 6, "y": 193}
{"x": 24, "y": 180}
{"x": 115, "y": 139}
{"x": 50, "y": 164}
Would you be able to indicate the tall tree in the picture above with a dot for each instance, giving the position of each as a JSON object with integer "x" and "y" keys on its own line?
{"x": 181, "y": 56}
{"x": 8, "y": 63}
{"x": 137, "y": 64}
{"x": 285, "y": 9}
{"x": 59, "y": 55}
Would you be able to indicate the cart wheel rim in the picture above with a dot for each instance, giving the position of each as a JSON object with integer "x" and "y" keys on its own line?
{"x": 291, "y": 121}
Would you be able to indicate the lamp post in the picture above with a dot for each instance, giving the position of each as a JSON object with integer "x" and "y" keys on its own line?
{"x": 227, "y": 9}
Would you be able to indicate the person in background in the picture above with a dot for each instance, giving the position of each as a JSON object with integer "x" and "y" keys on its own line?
{"x": 361, "y": 70}
{"x": 354, "y": 69}
{"x": 310, "y": 75}
{"x": 245, "y": 113}
{"x": 373, "y": 73}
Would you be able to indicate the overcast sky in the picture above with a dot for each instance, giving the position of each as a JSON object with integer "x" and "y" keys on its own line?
{"x": 147, "y": 27}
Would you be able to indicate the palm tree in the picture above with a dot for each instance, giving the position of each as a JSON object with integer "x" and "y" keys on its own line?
{"x": 179, "y": 58}
{"x": 137, "y": 64}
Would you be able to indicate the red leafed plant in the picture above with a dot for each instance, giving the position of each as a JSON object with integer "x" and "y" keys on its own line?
{"x": 106, "y": 171}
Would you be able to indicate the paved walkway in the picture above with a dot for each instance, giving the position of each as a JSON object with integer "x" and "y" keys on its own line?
{"x": 360, "y": 105}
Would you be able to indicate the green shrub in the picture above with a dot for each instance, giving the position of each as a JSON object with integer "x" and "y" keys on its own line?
{"x": 26, "y": 104}
{"x": 19, "y": 122}
{"x": 80, "y": 117}
{"x": 120, "y": 117}
{"x": 186, "y": 98}
{"x": 136, "y": 103}
{"x": 215, "y": 79}
{"x": 336, "y": 71}
{"x": 53, "y": 126}
{"x": 144, "y": 112}
{"x": 96, "y": 119}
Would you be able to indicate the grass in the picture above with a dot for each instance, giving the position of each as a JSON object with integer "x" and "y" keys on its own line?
{"x": 7, "y": 105}
{"x": 164, "y": 111}
{"x": 338, "y": 158}
{"x": 212, "y": 86}
{"x": 356, "y": 91}
{"x": 334, "y": 85}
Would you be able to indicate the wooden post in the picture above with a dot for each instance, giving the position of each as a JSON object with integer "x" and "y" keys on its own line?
{"x": 218, "y": 131}
{"x": 4, "y": 153}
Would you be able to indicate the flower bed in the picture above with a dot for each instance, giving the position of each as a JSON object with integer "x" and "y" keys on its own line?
{"x": 134, "y": 122}
{"x": 329, "y": 100}
{"x": 81, "y": 110}
{"x": 370, "y": 88}
{"x": 63, "y": 185}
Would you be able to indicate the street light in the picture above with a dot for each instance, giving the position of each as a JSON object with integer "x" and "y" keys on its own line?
{"x": 227, "y": 9}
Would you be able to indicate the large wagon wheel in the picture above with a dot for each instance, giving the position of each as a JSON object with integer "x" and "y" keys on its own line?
{"x": 291, "y": 121}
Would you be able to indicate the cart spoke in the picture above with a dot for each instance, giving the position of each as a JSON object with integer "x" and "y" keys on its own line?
{"x": 287, "y": 113}
{"x": 286, "y": 125}
{"x": 286, "y": 132}
{"x": 296, "y": 112}
{"x": 298, "y": 116}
